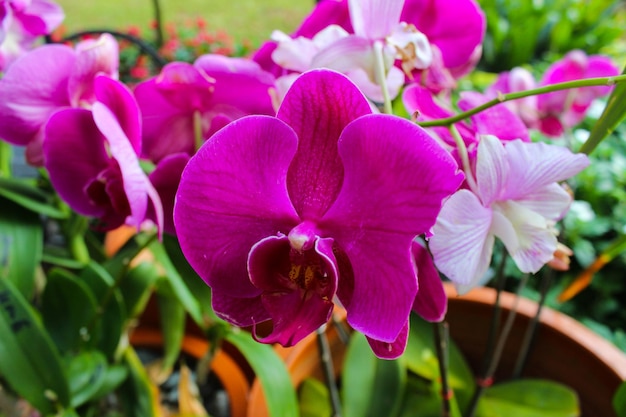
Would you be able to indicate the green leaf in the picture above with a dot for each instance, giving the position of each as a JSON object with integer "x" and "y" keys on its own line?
{"x": 137, "y": 394}
{"x": 179, "y": 287}
{"x": 110, "y": 308}
{"x": 314, "y": 399}
{"x": 21, "y": 246}
{"x": 29, "y": 361}
{"x": 370, "y": 386}
{"x": 26, "y": 195}
{"x": 421, "y": 358}
{"x": 86, "y": 373}
{"x": 172, "y": 314}
{"x": 613, "y": 114}
{"x": 67, "y": 307}
{"x": 113, "y": 377}
{"x": 529, "y": 398}
{"x": 136, "y": 287}
{"x": 280, "y": 394}
{"x": 619, "y": 400}
{"x": 421, "y": 398}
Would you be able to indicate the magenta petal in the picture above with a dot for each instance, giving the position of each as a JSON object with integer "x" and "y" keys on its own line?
{"x": 318, "y": 107}
{"x": 41, "y": 17}
{"x": 165, "y": 179}
{"x": 34, "y": 87}
{"x": 233, "y": 194}
{"x": 456, "y": 27}
{"x": 390, "y": 350}
{"x": 122, "y": 104}
{"x": 296, "y": 312}
{"x": 396, "y": 177}
{"x": 240, "y": 311}
{"x": 75, "y": 129}
{"x": 498, "y": 121}
{"x": 431, "y": 302}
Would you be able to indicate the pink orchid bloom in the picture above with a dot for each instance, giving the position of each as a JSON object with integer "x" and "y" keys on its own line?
{"x": 47, "y": 79}
{"x": 187, "y": 100}
{"x": 92, "y": 159}
{"x": 22, "y": 22}
{"x": 444, "y": 37}
{"x": 284, "y": 216}
{"x": 516, "y": 198}
{"x": 561, "y": 110}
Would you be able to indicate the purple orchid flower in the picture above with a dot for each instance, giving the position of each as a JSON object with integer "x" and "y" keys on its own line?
{"x": 47, "y": 79}
{"x": 516, "y": 80}
{"x": 284, "y": 215}
{"x": 22, "y": 22}
{"x": 186, "y": 100}
{"x": 516, "y": 198}
{"x": 106, "y": 180}
{"x": 454, "y": 31}
{"x": 562, "y": 110}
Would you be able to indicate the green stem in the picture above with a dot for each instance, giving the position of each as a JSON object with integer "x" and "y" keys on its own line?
{"x": 381, "y": 73}
{"x": 6, "y": 154}
{"x": 197, "y": 129}
{"x": 467, "y": 168}
{"x": 441, "y": 347}
{"x": 158, "y": 24}
{"x": 588, "y": 82}
{"x": 499, "y": 349}
{"x": 329, "y": 371}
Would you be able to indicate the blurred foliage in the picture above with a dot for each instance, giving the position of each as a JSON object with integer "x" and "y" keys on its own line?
{"x": 522, "y": 32}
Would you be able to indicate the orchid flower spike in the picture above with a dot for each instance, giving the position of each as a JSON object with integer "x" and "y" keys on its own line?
{"x": 517, "y": 199}
{"x": 285, "y": 216}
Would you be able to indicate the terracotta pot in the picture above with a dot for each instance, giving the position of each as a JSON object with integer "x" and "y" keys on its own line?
{"x": 564, "y": 351}
{"x": 226, "y": 368}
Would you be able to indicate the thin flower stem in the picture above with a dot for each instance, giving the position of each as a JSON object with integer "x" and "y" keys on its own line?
{"x": 329, "y": 371}
{"x": 342, "y": 331}
{"x": 381, "y": 72}
{"x": 197, "y": 129}
{"x": 442, "y": 336}
{"x": 467, "y": 168}
{"x": 496, "y": 314}
{"x": 588, "y": 82}
{"x": 158, "y": 23}
{"x": 497, "y": 354}
{"x": 531, "y": 330}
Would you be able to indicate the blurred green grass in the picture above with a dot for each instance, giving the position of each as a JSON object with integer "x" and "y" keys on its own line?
{"x": 244, "y": 20}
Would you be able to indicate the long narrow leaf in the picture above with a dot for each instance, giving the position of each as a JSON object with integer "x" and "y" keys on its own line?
{"x": 29, "y": 361}
{"x": 280, "y": 394}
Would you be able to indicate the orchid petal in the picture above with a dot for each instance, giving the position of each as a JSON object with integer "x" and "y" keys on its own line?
{"x": 374, "y": 19}
{"x": 456, "y": 27}
{"x": 238, "y": 181}
{"x": 535, "y": 165}
{"x": 492, "y": 169}
{"x": 41, "y": 17}
{"x": 461, "y": 243}
{"x": 431, "y": 302}
{"x": 390, "y": 350}
{"x": 498, "y": 121}
{"x": 93, "y": 57}
{"x": 34, "y": 87}
{"x": 165, "y": 179}
{"x": 395, "y": 179}
{"x": 318, "y": 106}
{"x": 551, "y": 201}
{"x": 75, "y": 129}
{"x": 295, "y": 311}
{"x": 240, "y": 311}
{"x": 528, "y": 238}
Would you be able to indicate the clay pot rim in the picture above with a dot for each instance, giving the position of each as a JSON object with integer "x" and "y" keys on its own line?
{"x": 559, "y": 322}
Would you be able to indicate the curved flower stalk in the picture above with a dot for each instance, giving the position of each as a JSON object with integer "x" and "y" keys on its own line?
{"x": 498, "y": 121}
{"x": 434, "y": 42}
{"x": 22, "y": 22}
{"x": 92, "y": 159}
{"x": 186, "y": 104}
{"x": 283, "y": 216}
{"x": 47, "y": 79}
{"x": 555, "y": 112}
{"x": 516, "y": 198}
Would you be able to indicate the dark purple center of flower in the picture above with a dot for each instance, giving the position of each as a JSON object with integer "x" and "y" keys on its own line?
{"x": 107, "y": 191}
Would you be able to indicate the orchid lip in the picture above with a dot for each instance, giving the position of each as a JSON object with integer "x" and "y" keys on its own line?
{"x": 302, "y": 237}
